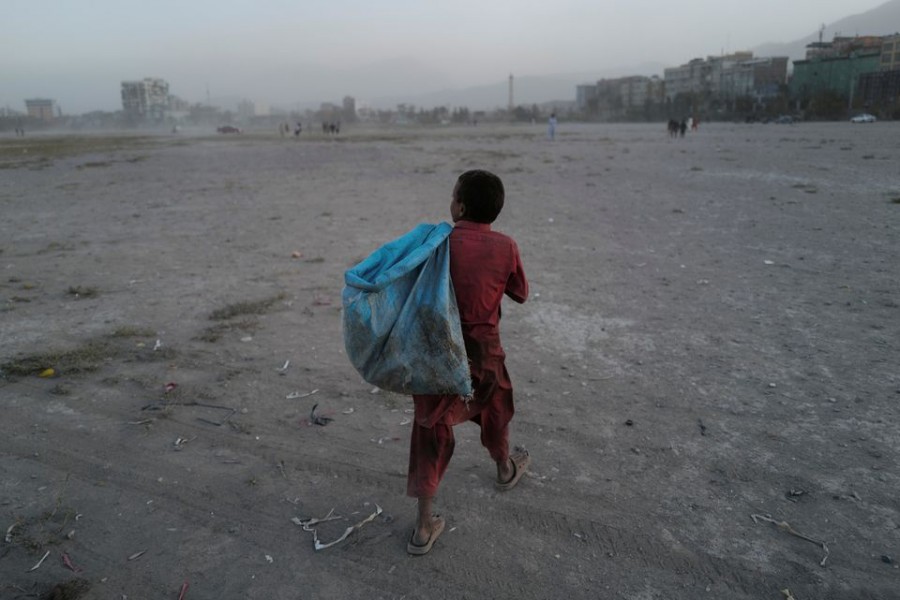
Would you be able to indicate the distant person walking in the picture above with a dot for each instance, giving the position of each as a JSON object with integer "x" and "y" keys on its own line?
{"x": 551, "y": 127}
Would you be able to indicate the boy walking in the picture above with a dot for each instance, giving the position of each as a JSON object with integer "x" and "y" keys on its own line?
{"x": 484, "y": 265}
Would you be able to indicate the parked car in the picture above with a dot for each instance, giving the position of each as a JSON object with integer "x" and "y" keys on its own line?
{"x": 863, "y": 118}
{"x": 229, "y": 129}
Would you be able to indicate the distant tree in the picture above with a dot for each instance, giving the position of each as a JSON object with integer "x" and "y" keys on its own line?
{"x": 827, "y": 104}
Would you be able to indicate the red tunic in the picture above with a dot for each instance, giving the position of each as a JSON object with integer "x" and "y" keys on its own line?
{"x": 484, "y": 265}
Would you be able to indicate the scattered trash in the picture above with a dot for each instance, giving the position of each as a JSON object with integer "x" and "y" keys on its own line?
{"x": 307, "y": 525}
{"x": 295, "y": 395}
{"x": 284, "y": 368}
{"x": 629, "y": 423}
{"x": 136, "y": 555}
{"x": 47, "y": 373}
{"x": 793, "y": 494}
{"x": 180, "y": 442}
{"x": 9, "y": 530}
{"x": 886, "y": 559}
{"x": 40, "y": 562}
{"x": 349, "y": 411}
{"x": 768, "y": 262}
{"x": 184, "y": 589}
{"x": 785, "y": 526}
{"x": 296, "y": 254}
{"x": 157, "y": 345}
{"x": 231, "y": 411}
{"x": 315, "y": 419}
{"x": 375, "y": 390}
{"x": 269, "y": 559}
{"x": 406, "y": 421}
{"x": 170, "y": 386}
{"x": 787, "y": 594}
{"x": 247, "y": 338}
{"x": 68, "y": 562}
{"x": 702, "y": 426}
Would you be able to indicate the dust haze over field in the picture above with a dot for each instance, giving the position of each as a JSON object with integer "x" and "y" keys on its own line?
{"x": 300, "y": 55}
{"x": 710, "y": 350}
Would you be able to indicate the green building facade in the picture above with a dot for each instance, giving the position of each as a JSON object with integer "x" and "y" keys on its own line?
{"x": 834, "y": 75}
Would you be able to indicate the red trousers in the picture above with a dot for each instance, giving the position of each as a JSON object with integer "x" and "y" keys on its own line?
{"x": 432, "y": 442}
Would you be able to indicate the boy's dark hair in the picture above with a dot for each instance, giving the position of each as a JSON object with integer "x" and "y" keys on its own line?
{"x": 481, "y": 192}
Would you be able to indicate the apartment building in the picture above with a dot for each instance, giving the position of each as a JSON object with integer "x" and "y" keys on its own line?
{"x": 43, "y": 109}
{"x": 145, "y": 100}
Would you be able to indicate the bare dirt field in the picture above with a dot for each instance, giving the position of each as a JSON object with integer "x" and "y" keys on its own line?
{"x": 707, "y": 373}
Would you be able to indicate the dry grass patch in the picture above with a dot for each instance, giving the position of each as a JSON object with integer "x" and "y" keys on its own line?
{"x": 248, "y": 307}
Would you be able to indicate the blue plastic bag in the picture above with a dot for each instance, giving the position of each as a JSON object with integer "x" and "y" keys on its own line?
{"x": 401, "y": 323}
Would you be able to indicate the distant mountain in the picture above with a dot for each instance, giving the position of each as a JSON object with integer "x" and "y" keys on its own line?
{"x": 881, "y": 20}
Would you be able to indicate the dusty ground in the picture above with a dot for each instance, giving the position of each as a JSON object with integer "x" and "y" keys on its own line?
{"x": 713, "y": 334}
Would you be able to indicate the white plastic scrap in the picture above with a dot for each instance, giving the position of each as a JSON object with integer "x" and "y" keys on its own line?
{"x": 307, "y": 525}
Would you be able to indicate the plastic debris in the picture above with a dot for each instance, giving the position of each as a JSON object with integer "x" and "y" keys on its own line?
{"x": 785, "y": 526}
{"x": 307, "y": 525}
{"x": 295, "y": 395}
{"x": 284, "y": 368}
{"x": 136, "y": 555}
{"x": 184, "y": 589}
{"x": 170, "y": 386}
{"x": 180, "y": 442}
{"x": 157, "y": 345}
{"x": 40, "y": 562}
{"x": 68, "y": 562}
{"x": 269, "y": 559}
{"x": 47, "y": 373}
{"x": 9, "y": 530}
{"x": 349, "y": 411}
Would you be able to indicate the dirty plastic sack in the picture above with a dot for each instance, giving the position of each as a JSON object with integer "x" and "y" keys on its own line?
{"x": 401, "y": 322}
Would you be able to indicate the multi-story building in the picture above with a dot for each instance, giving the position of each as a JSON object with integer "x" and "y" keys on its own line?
{"x": 43, "y": 109}
{"x": 145, "y": 100}
{"x": 620, "y": 97}
{"x": 879, "y": 91}
{"x": 756, "y": 78}
{"x": 727, "y": 77}
{"x": 834, "y": 68}
{"x": 689, "y": 78}
{"x": 890, "y": 52}
{"x": 350, "y": 108}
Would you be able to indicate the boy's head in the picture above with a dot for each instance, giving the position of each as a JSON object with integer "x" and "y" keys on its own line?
{"x": 477, "y": 196}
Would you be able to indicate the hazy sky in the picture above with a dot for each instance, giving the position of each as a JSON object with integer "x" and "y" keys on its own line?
{"x": 78, "y": 51}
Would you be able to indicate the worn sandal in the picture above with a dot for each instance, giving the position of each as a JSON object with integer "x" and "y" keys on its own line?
{"x": 421, "y": 550}
{"x": 520, "y": 460}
